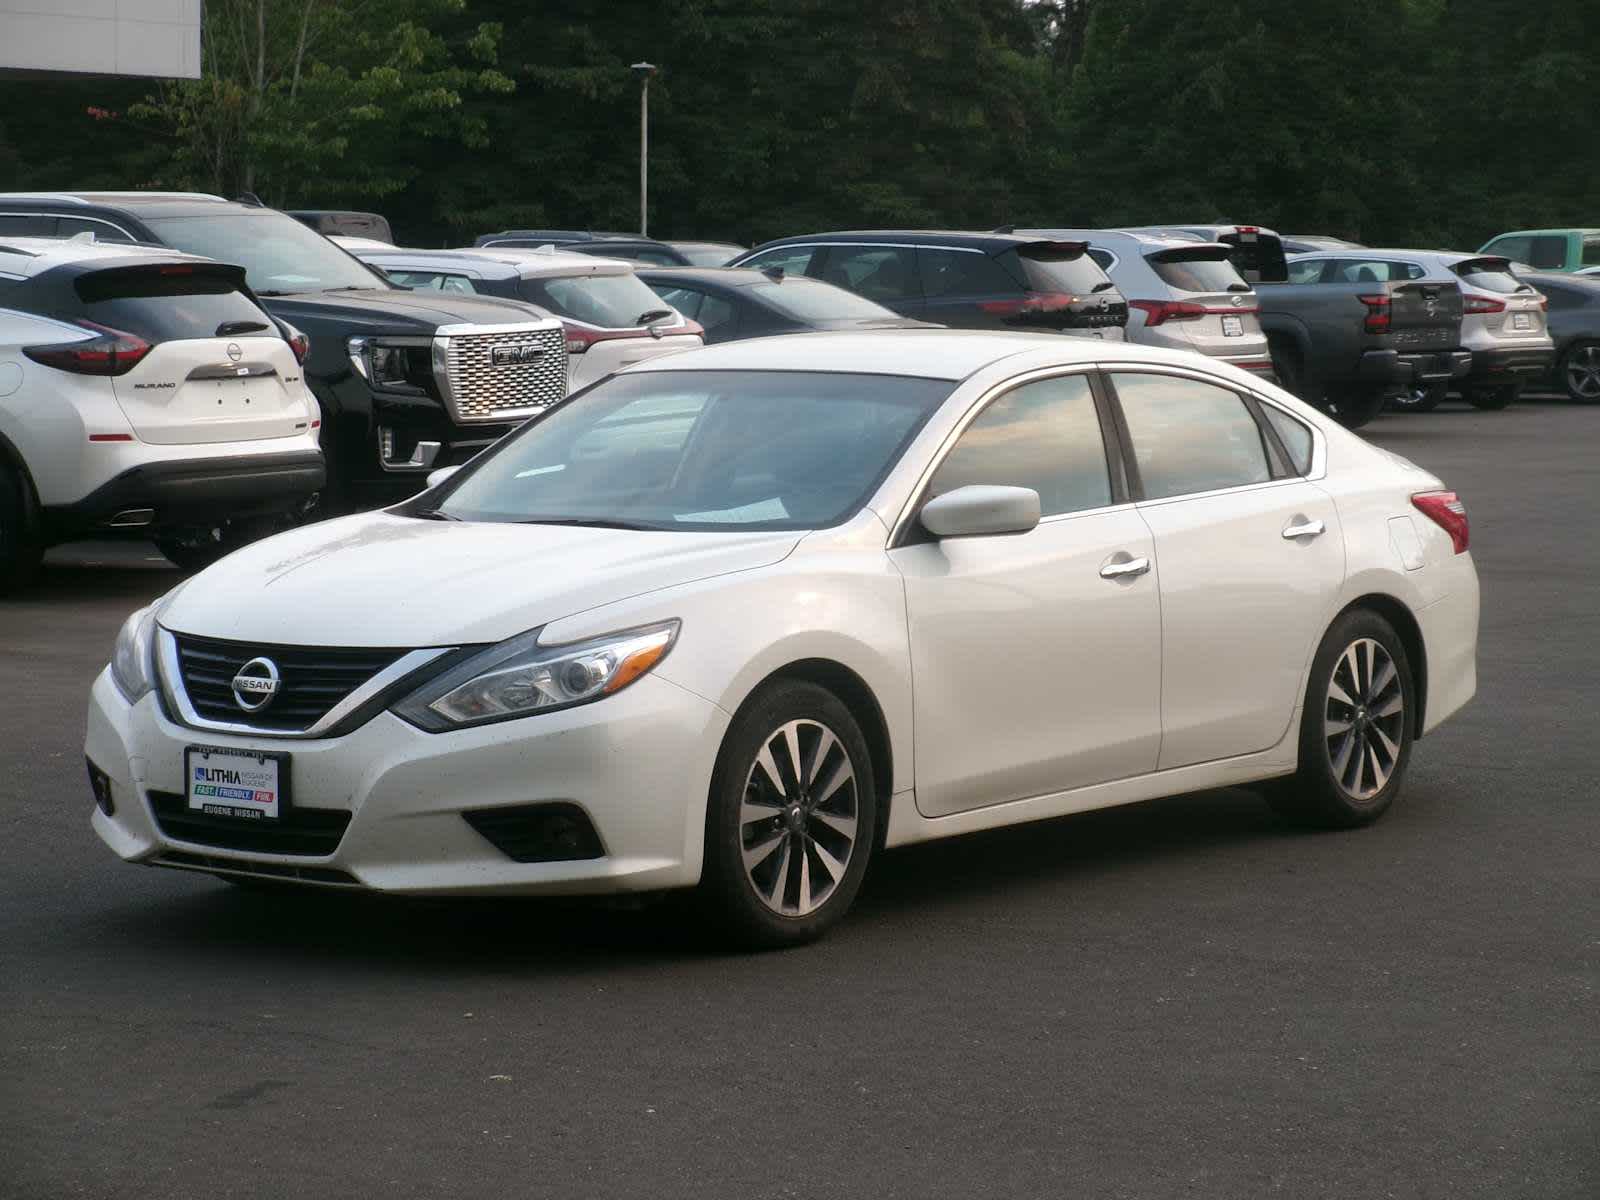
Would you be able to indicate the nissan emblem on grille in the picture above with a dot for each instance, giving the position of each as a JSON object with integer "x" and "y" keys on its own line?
{"x": 504, "y": 375}
{"x": 256, "y": 684}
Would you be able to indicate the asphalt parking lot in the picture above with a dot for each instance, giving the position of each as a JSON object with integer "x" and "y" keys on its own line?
{"x": 1174, "y": 999}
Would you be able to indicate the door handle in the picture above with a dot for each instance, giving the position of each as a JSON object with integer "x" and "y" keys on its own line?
{"x": 1304, "y": 529}
{"x": 1127, "y": 567}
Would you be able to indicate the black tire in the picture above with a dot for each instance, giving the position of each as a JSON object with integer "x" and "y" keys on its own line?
{"x": 753, "y": 902}
{"x": 1578, "y": 373}
{"x": 1419, "y": 399}
{"x": 1321, "y": 794}
{"x": 1353, "y": 406}
{"x": 1288, "y": 366}
{"x": 1490, "y": 399}
{"x": 20, "y": 548}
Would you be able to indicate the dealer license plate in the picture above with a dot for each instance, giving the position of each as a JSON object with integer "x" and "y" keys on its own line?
{"x": 245, "y": 784}
{"x": 1232, "y": 326}
{"x": 1522, "y": 320}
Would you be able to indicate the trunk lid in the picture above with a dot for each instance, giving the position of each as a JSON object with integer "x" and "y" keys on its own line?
{"x": 1067, "y": 291}
{"x": 1229, "y": 321}
{"x": 1499, "y": 304}
{"x": 1424, "y": 314}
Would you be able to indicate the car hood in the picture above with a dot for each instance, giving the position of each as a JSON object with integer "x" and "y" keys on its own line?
{"x": 395, "y": 310}
{"x": 382, "y": 580}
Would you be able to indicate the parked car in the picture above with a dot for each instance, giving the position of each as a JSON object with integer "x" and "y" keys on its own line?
{"x": 329, "y": 222}
{"x": 1182, "y": 294}
{"x": 738, "y": 618}
{"x": 1502, "y": 322}
{"x": 611, "y": 318}
{"x": 1548, "y": 249}
{"x": 1350, "y": 336}
{"x": 1306, "y": 243}
{"x": 738, "y": 302}
{"x": 709, "y": 254}
{"x": 143, "y": 390}
{"x": 961, "y": 280}
{"x": 607, "y": 245}
{"x": 1258, "y": 252}
{"x": 405, "y": 381}
{"x": 1573, "y": 320}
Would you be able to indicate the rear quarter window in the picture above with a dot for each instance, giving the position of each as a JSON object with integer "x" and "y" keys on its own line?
{"x": 167, "y": 308}
{"x": 1296, "y": 438}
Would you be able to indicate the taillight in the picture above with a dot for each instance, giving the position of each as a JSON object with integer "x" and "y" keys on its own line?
{"x": 1446, "y": 511}
{"x": 1159, "y": 312}
{"x": 580, "y": 339}
{"x": 1479, "y": 305}
{"x": 1378, "y": 314}
{"x": 112, "y": 353}
{"x": 300, "y": 344}
{"x": 1544, "y": 303}
{"x": 1031, "y": 303}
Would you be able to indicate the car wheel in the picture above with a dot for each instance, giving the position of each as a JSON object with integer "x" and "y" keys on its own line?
{"x": 20, "y": 549}
{"x": 1580, "y": 372}
{"x": 1491, "y": 398}
{"x": 791, "y": 819}
{"x": 1419, "y": 398}
{"x": 1287, "y": 365}
{"x": 1353, "y": 407}
{"x": 1356, "y": 729}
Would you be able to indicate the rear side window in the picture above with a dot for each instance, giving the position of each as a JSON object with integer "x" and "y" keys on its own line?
{"x": 1591, "y": 250}
{"x": 1045, "y": 436}
{"x": 1185, "y": 271}
{"x": 1189, "y": 436}
{"x": 1308, "y": 270}
{"x": 1491, "y": 275}
{"x": 961, "y": 273}
{"x": 1044, "y": 270}
{"x": 168, "y": 307}
{"x": 1296, "y": 438}
{"x": 27, "y": 225}
{"x": 1375, "y": 270}
{"x": 609, "y": 301}
{"x": 887, "y": 274}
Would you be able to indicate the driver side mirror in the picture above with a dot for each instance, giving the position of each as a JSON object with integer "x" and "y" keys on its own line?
{"x": 979, "y": 510}
{"x": 435, "y": 478}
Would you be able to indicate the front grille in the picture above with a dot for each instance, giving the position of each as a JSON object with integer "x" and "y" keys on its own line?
{"x": 311, "y": 680}
{"x": 477, "y": 388}
{"x": 311, "y": 831}
{"x": 530, "y": 833}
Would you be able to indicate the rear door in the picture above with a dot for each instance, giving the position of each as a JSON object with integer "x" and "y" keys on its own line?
{"x": 1229, "y": 321}
{"x": 217, "y": 369}
{"x": 1512, "y": 311}
{"x": 1065, "y": 289}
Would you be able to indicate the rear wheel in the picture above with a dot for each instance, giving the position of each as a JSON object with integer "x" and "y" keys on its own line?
{"x": 1490, "y": 398}
{"x": 20, "y": 548}
{"x": 1419, "y": 398}
{"x": 1354, "y": 406}
{"x": 1288, "y": 366}
{"x": 791, "y": 818}
{"x": 1580, "y": 372}
{"x": 1355, "y": 732}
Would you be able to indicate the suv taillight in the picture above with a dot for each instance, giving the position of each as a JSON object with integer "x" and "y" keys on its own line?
{"x": 1034, "y": 302}
{"x": 112, "y": 353}
{"x": 1159, "y": 312}
{"x": 1446, "y": 511}
{"x": 1480, "y": 305}
{"x": 580, "y": 339}
{"x": 1377, "y": 312}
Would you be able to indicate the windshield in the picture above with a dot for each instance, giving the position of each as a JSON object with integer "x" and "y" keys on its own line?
{"x": 708, "y": 256}
{"x": 813, "y": 300}
{"x": 278, "y": 253}
{"x": 702, "y": 450}
{"x": 1197, "y": 272}
{"x": 609, "y": 301}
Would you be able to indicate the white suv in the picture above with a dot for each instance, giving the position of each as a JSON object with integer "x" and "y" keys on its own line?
{"x": 144, "y": 389}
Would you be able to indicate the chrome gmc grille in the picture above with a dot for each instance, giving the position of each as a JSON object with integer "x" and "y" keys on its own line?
{"x": 500, "y": 372}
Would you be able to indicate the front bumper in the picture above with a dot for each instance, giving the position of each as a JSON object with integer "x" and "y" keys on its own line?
{"x": 638, "y": 765}
{"x": 1391, "y": 366}
{"x": 189, "y": 492}
{"x": 1511, "y": 366}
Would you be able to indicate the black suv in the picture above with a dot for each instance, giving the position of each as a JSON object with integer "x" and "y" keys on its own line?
{"x": 407, "y": 380}
{"x": 963, "y": 280}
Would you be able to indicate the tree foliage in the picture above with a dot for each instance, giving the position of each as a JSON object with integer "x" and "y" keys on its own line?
{"x": 1423, "y": 121}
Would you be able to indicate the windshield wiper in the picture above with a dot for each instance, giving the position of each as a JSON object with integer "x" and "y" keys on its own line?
{"x": 229, "y": 328}
{"x": 1102, "y": 287}
{"x": 278, "y": 292}
{"x": 588, "y": 522}
{"x": 434, "y": 514}
{"x": 655, "y": 314}
{"x": 352, "y": 287}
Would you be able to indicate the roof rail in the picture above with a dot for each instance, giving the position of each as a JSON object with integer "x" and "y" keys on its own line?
{"x": 79, "y": 197}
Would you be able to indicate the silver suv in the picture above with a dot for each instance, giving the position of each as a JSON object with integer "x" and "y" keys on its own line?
{"x": 1182, "y": 294}
{"x": 1503, "y": 321}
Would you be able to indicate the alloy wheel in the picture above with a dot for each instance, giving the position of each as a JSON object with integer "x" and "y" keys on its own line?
{"x": 1364, "y": 720}
{"x": 1583, "y": 372}
{"x": 798, "y": 817}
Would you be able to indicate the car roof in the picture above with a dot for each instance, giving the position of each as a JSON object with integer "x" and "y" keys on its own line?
{"x": 1526, "y": 232}
{"x": 1191, "y": 226}
{"x": 144, "y": 204}
{"x": 914, "y": 237}
{"x": 1144, "y": 240}
{"x": 30, "y": 256}
{"x": 1444, "y": 257}
{"x": 952, "y": 354}
{"x": 501, "y": 262}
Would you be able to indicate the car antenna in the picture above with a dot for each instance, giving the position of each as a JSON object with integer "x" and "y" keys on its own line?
{"x": 250, "y": 198}
{"x": 1004, "y": 229}
{"x": 773, "y": 273}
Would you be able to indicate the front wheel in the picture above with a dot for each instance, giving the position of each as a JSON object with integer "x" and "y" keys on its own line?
{"x": 791, "y": 818}
{"x": 20, "y": 549}
{"x": 1356, "y": 729}
{"x": 1580, "y": 372}
{"x": 1492, "y": 398}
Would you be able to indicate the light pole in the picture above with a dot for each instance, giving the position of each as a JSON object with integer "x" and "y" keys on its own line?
{"x": 644, "y": 70}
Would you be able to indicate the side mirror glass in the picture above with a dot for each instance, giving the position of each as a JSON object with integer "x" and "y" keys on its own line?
{"x": 979, "y": 510}
{"x": 435, "y": 478}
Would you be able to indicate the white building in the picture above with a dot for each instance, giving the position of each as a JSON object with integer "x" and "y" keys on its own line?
{"x": 100, "y": 37}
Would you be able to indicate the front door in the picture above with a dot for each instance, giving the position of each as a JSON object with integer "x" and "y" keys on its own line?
{"x": 1036, "y": 657}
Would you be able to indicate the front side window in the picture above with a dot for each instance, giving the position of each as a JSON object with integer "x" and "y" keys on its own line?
{"x": 1189, "y": 436}
{"x": 609, "y": 301}
{"x": 1045, "y": 436}
{"x": 791, "y": 260}
{"x": 278, "y": 253}
{"x": 702, "y": 450}
{"x": 1307, "y": 270}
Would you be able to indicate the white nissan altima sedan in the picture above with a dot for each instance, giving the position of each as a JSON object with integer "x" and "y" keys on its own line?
{"x": 744, "y": 617}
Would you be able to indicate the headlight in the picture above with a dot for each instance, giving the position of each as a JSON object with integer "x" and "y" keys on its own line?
{"x": 386, "y": 363}
{"x": 131, "y": 668}
{"x": 519, "y": 677}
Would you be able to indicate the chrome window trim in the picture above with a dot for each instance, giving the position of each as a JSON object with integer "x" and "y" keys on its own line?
{"x": 171, "y": 673}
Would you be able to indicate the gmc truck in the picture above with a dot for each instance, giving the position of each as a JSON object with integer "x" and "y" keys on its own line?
{"x": 406, "y": 381}
{"x": 1348, "y": 345}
